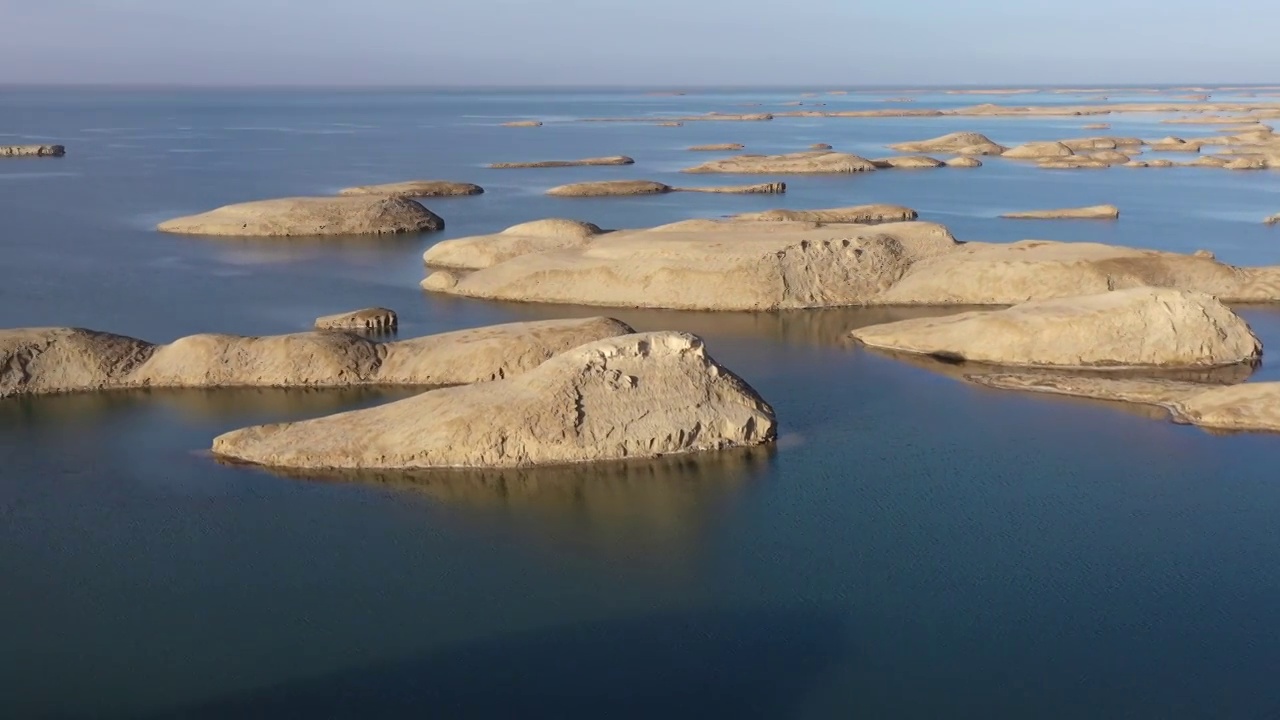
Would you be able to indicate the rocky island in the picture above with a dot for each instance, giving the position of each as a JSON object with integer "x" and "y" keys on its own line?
{"x": 631, "y": 396}
{"x": 310, "y": 216}
{"x": 32, "y": 151}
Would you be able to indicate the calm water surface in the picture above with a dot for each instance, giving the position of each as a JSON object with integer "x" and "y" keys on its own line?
{"x": 914, "y": 547}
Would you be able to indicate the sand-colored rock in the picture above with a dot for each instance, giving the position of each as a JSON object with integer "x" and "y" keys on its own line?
{"x": 1037, "y": 150}
{"x": 963, "y": 143}
{"x": 745, "y": 264}
{"x": 1073, "y": 162}
{"x": 731, "y": 265}
{"x": 59, "y": 360}
{"x": 817, "y": 162}
{"x": 1174, "y": 144}
{"x": 622, "y": 188}
{"x": 635, "y": 396}
{"x": 1253, "y": 406}
{"x": 964, "y": 161}
{"x": 584, "y": 162}
{"x": 720, "y": 147}
{"x": 976, "y": 273}
{"x": 1137, "y": 327}
{"x": 772, "y": 188}
{"x": 32, "y": 150}
{"x": 908, "y": 162}
{"x": 1092, "y": 212}
{"x": 1101, "y": 143}
{"x": 1247, "y": 163}
{"x": 1096, "y": 126}
{"x": 856, "y": 214}
{"x": 820, "y": 146}
{"x": 374, "y": 319}
{"x": 670, "y": 124}
{"x": 610, "y": 188}
{"x": 1207, "y": 161}
{"x": 899, "y": 100}
{"x": 416, "y": 188}
{"x": 1273, "y": 220}
{"x": 303, "y": 216}
{"x": 1207, "y": 120}
{"x": 482, "y": 251}
{"x": 522, "y": 124}
{"x": 1249, "y": 406}
{"x": 53, "y": 360}
{"x": 1110, "y": 157}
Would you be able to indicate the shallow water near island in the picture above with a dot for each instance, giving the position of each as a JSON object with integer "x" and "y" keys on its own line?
{"x": 913, "y": 547}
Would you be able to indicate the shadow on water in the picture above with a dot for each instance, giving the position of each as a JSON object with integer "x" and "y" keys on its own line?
{"x": 645, "y": 506}
{"x": 746, "y": 664}
{"x": 820, "y": 326}
{"x": 958, "y": 368}
{"x": 203, "y": 404}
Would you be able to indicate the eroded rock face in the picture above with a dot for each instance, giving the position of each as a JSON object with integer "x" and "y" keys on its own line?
{"x": 522, "y": 124}
{"x": 803, "y": 260}
{"x": 1007, "y": 274}
{"x": 734, "y": 265}
{"x": 623, "y": 188}
{"x": 860, "y": 214}
{"x": 610, "y": 188}
{"x": 963, "y": 143}
{"x": 310, "y": 216}
{"x": 719, "y": 147}
{"x": 1110, "y": 157}
{"x": 1092, "y": 212}
{"x": 634, "y": 396}
{"x": 416, "y": 188}
{"x": 481, "y": 251}
{"x": 1138, "y": 327}
{"x": 32, "y": 150}
{"x": 584, "y": 162}
{"x": 59, "y": 360}
{"x": 1037, "y": 150}
{"x": 51, "y": 360}
{"x": 374, "y": 320}
{"x": 816, "y": 163}
{"x": 908, "y": 162}
{"x": 1245, "y": 407}
{"x": 1101, "y": 143}
{"x": 1249, "y": 406}
{"x": 964, "y": 162}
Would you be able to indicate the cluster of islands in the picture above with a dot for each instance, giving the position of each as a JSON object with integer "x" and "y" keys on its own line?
{"x": 1070, "y": 318}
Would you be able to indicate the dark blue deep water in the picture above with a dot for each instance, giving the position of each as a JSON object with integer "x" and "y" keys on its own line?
{"x": 915, "y": 547}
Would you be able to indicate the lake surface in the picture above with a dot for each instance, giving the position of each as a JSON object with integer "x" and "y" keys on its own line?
{"x": 914, "y": 547}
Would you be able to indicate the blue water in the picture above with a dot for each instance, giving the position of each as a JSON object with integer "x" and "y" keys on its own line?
{"x": 914, "y": 546}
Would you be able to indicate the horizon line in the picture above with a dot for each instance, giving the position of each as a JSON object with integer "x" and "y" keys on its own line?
{"x": 828, "y": 87}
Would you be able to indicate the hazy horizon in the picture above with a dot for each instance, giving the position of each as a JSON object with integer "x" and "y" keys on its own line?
{"x": 611, "y": 43}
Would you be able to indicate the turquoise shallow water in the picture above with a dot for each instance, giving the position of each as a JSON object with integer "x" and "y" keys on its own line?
{"x": 914, "y": 546}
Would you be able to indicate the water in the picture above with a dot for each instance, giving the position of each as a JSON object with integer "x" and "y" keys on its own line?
{"x": 914, "y": 546}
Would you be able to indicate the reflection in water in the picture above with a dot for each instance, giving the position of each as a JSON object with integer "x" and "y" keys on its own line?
{"x": 198, "y": 403}
{"x": 357, "y": 249}
{"x": 966, "y": 371}
{"x": 824, "y": 326}
{"x": 639, "y": 506}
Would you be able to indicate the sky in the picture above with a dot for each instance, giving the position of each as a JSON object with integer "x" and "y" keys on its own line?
{"x": 674, "y": 43}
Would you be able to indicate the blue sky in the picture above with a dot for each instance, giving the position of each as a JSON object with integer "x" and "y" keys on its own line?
{"x": 638, "y": 42}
